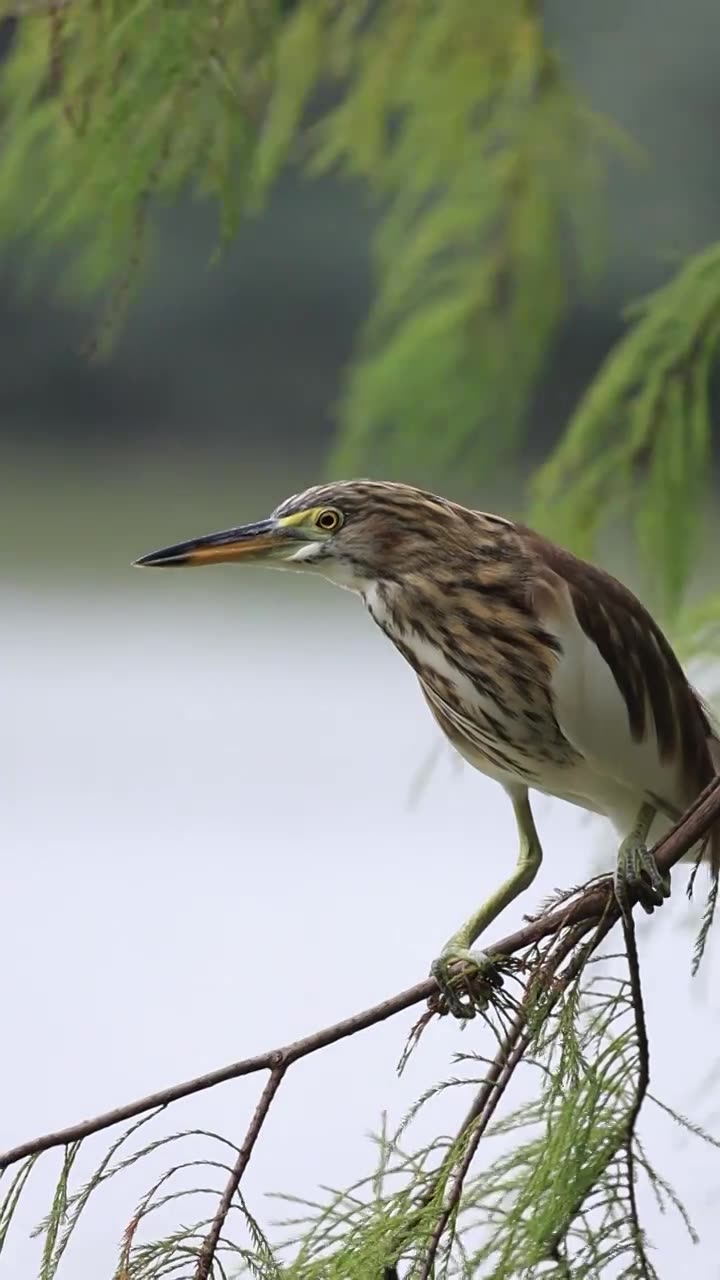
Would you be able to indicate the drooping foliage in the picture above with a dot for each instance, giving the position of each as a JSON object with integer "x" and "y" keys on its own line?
{"x": 486, "y": 166}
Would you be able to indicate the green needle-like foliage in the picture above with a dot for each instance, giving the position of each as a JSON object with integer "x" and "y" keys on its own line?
{"x": 456, "y": 116}
{"x": 555, "y": 1187}
{"x": 641, "y": 440}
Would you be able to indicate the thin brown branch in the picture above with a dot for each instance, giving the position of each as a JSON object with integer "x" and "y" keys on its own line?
{"x": 281, "y": 1057}
{"x": 561, "y": 1261}
{"x": 210, "y": 1244}
{"x": 509, "y": 1054}
{"x": 495, "y": 1082}
{"x": 626, "y": 1134}
{"x": 641, "y": 1088}
{"x": 510, "y": 1050}
{"x": 589, "y": 905}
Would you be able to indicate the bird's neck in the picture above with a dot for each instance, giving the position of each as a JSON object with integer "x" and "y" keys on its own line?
{"x": 377, "y": 597}
{"x": 401, "y": 614}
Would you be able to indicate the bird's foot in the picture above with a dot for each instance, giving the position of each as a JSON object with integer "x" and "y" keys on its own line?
{"x": 467, "y": 980}
{"x": 637, "y": 873}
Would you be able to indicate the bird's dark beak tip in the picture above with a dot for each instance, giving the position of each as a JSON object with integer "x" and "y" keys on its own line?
{"x": 228, "y": 544}
{"x": 156, "y": 560}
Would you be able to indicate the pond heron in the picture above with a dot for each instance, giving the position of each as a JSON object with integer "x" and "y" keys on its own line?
{"x": 544, "y": 672}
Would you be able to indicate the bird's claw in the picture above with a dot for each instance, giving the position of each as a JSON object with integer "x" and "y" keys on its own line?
{"x": 637, "y": 873}
{"x": 466, "y": 980}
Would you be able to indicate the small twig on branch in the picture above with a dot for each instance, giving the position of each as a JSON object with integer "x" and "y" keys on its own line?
{"x": 498, "y": 1076}
{"x": 643, "y": 1081}
{"x": 626, "y": 1135}
{"x": 563, "y": 1265}
{"x": 589, "y": 905}
{"x": 210, "y": 1244}
{"x": 509, "y": 1054}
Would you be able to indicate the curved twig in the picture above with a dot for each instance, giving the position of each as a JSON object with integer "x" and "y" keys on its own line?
{"x": 626, "y": 1134}
{"x": 210, "y": 1244}
{"x": 643, "y": 1082}
{"x": 509, "y": 1055}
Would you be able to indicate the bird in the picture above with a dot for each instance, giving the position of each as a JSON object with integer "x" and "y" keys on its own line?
{"x": 543, "y": 671}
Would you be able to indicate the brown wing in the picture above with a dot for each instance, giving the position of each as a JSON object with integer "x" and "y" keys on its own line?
{"x": 653, "y": 685}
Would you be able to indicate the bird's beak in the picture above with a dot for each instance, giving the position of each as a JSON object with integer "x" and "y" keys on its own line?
{"x": 263, "y": 540}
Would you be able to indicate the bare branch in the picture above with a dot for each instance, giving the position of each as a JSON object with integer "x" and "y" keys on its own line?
{"x": 590, "y": 904}
{"x": 508, "y": 1056}
{"x": 210, "y": 1244}
{"x": 642, "y": 1083}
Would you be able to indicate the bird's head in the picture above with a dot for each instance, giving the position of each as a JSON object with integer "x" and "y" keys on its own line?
{"x": 353, "y": 532}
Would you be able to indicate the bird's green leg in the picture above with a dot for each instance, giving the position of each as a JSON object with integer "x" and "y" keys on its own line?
{"x": 637, "y": 871}
{"x": 457, "y": 959}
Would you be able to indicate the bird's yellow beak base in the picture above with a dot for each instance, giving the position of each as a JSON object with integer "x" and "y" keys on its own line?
{"x": 259, "y": 541}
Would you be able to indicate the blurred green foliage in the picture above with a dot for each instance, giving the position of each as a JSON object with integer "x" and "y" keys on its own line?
{"x": 461, "y": 121}
{"x": 642, "y": 438}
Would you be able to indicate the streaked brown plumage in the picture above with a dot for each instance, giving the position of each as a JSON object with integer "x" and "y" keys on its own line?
{"x": 543, "y": 671}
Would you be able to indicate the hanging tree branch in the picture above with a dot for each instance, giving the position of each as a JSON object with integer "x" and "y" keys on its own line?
{"x": 210, "y": 1244}
{"x": 642, "y": 1082}
{"x": 509, "y": 1054}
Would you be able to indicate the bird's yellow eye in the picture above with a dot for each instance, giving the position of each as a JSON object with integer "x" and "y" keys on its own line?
{"x": 329, "y": 520}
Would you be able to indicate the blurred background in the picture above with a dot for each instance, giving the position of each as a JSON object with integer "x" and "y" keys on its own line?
{"x": 229, "y": 372}
{"x": 182, "y": 885}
